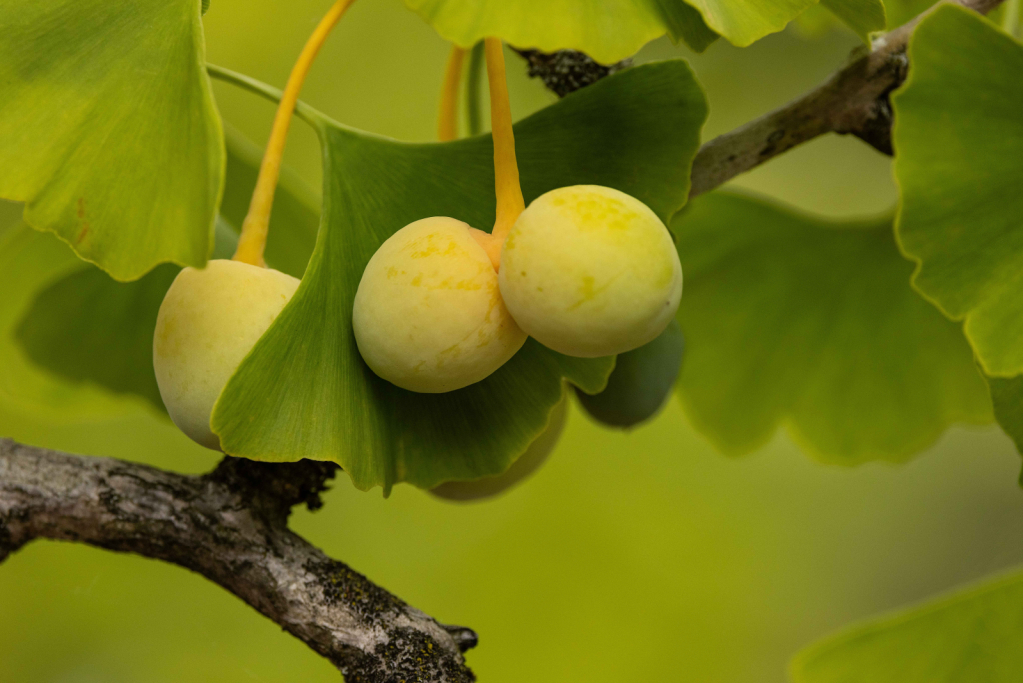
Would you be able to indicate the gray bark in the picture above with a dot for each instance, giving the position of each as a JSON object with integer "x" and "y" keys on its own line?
{"x": 230, "y": 526}
{"x": 853, "y": 101}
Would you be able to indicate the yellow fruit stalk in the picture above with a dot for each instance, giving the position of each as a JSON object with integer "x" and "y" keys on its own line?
{"x": 428, "y": 314}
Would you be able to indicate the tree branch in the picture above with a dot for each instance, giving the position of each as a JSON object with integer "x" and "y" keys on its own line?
{"x": 231, "y": 527}
{"x": 853, "y": 101}
{"x": 566, "y": 71}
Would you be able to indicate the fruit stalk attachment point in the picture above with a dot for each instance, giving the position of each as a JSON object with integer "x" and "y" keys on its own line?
{"x": 447, "y": 119}
{"x": 252, "y": 242}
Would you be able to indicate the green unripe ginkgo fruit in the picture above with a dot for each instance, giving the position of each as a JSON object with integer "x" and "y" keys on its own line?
{"x": 590, "y": 271}
{"x": 641, "y": 382}
{"x": 208, "y": 322}
{"x": 528, "y": 463}
{"x": 428, "y": 314}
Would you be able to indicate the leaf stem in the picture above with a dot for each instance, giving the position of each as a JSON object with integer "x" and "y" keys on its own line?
{"x": 252, "y": 242}
{"x": 447, "y": 119}
{"x": 506, "y": 170}
{"x": 473, "y": 116}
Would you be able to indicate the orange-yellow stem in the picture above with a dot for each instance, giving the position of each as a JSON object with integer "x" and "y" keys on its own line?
{"x": 506, "y": 170}
{"x": 252, "y": 242}
{"x": 447, "y": 121}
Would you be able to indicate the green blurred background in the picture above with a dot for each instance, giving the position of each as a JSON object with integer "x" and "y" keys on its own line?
{"x": 629, "y": 557}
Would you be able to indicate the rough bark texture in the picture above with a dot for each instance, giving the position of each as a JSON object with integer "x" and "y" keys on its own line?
{"x": 566, "y": 71}
{"x": 231, "y": 526}
{"x": 853, "y": 101}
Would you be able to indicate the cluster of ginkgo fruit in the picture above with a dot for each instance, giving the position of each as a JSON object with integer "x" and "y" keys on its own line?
{"x": 585, "y": 270}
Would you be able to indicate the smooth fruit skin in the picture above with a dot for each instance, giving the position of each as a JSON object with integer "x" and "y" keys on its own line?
{"x": 528, "y": 463}
{"x": 590, "y": 271}
{"x": 208, "y": 322}
{"x": 428, "y": 315}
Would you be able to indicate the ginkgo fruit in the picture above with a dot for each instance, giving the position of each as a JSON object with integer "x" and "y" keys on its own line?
{"x": 641, "y": 382}
{"x": 590, "y": 271}
{"x": 208, "y": 322}
{"x": 212, "y": 317}
{"x": 528, "y": 463}
{"x": 428, "y": 314}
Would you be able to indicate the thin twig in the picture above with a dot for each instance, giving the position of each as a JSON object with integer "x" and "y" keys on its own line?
{"x": 231, "y": 527}
{"x": 853, "y": 101}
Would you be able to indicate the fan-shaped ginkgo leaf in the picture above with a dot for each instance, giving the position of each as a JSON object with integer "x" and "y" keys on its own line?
{"x": 975, "y": 635}
{"x": 610, "y": 31}
{"x": 812, "y": 324}
{"x": 109, "y": 131}
{"x": 959, "y": 164}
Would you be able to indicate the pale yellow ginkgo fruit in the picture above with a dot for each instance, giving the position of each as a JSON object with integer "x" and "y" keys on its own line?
{"x": 209, "y": 320}
{"x": 428, "y": 314}
{"x": 590, "y": 271}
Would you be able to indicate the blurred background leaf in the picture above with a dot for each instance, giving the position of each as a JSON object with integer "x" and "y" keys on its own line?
{"x": 863, "y": 17}
{"x": 975, "y": 635}
{"x": 87, "y": 326}
{"x": 791, "y": 320}
{"x": 109, "y": 128}
{"x": 30, "y": 261}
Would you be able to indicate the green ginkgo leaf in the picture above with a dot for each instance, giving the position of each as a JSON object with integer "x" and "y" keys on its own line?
{"x": 86, "y": 328}
{"x": 108, "y": 130}
{"x": 609, "y": 31}
{"x": 797, "y": 321}
{"x": 31, "y": 261}
{"x": 304, "y": 391}
{"x": 974, "y": 636}
{"x": 1007, "y": 398}
{"x": 901, "y": 11}
{"x": 959, "y": 164}
{"x": 862, "y": 16}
